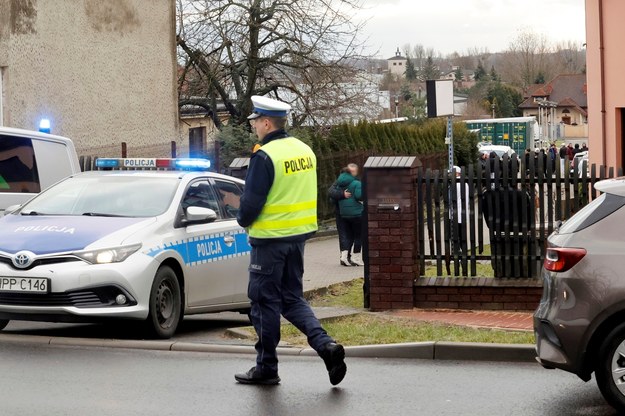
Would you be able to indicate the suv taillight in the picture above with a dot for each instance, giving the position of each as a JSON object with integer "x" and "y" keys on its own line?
{"x": 562, "y": 259}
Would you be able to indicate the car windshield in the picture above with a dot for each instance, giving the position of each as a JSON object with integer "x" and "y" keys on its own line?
{"x": 112, "y": 196}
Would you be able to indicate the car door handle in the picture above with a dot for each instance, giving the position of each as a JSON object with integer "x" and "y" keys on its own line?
{"x": 228, "y": 239}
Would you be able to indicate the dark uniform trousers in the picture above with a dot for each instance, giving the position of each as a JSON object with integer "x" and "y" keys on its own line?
{"x": 275, "y": 288}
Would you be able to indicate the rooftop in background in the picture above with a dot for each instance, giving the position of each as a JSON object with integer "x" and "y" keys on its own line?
{"x": 568, "y": 90}
{"x": 397, "y": 56}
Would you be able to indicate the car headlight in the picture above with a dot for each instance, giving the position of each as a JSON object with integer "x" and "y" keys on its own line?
{"x": 108, "y": 255}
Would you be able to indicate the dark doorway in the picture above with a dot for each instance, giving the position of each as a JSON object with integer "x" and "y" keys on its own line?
{"x": 197, "y": 142}
{"x": 620, "y": 132}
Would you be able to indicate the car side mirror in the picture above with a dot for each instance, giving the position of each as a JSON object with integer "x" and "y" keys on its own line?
{"x": 199, "y": 215}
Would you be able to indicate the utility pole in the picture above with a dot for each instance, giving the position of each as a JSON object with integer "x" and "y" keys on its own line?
{"x": 450, "y": 141}
{"x": 396, "y": 105}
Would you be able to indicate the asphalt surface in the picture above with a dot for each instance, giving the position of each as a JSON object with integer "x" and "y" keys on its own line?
{"x": 207, "y": 328}
{"x": 50, "y": 380}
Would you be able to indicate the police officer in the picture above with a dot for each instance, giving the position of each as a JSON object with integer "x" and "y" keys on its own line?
{"x": 279, "y": 209}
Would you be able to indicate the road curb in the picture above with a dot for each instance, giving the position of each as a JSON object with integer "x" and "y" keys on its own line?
{"x": 418, "y": 350}
{"x": 484, "y": 352}
{"x": 456, "y": 351}
{"x": 237, "y": 333}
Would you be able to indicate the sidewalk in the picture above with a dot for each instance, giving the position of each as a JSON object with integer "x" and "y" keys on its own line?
{"x": 520, "y": 321}
{"x": 321, "y": 264}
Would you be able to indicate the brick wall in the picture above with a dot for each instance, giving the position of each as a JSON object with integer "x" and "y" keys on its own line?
{"x": 478, "y": 293}
{"x": 392, "y": 249}
{"x": 391, "y": 261}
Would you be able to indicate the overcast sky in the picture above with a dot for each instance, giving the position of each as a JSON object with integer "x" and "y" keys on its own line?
{"x": 456, "y": 25}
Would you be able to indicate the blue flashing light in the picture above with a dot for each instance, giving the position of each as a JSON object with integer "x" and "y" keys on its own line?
{"x": 106, "y": 163}
{"x": 192, "y": 164}
{"x": 45, "y": 125}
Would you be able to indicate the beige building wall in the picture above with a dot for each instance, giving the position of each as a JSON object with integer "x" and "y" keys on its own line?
{"x": 397, "y": 66}
{"x": 578, "y": 129}
{"x": 606, "y": 89}
{"x": 103, "y": 72}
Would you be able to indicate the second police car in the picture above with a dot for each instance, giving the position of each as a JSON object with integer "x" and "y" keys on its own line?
{"x": 148, "y": 245}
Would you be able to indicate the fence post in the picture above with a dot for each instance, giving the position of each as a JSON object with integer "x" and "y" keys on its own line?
{"x": 391, "y": 238}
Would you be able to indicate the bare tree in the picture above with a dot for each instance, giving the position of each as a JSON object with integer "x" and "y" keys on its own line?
{"x": 571, "y": 57}
{"x": 301, "y": 51}
{"x": 417, "y": 54}
{"x": 476, "y": 54}
{"x": 528, "y": 59}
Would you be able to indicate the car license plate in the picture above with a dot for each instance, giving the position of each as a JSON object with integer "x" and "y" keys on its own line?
{"x": 24, "y": 284}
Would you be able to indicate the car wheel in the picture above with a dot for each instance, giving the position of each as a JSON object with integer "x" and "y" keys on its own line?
{"x": 165, "y": 304}
{"x": 610, "y": 370}
{"x": 3, "y": 323}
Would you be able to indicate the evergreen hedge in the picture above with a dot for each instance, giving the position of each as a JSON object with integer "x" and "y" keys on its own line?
{"x": 339, "y": 145}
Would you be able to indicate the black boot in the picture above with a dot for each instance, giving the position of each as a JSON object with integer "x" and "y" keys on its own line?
{"x": 333, "y": 356}
{"x": 254, "y": 376}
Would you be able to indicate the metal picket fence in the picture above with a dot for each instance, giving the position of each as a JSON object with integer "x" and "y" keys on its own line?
{"x": 509, "y": 206}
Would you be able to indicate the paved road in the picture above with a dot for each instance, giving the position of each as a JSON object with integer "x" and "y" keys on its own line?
{"x": 321, "y": 270}
{"x": 47, "y": 380}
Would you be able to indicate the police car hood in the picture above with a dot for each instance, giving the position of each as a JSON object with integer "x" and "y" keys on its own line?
{"x": 59, "y": 234}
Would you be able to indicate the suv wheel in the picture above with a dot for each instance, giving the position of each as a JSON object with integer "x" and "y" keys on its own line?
{"x": 165, "y": 304}
{"x": 3, "y": 323}
{"x": 610, "y": 370}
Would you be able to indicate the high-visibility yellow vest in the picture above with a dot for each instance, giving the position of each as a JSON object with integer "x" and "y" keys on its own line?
{"x": 291, "y": 207}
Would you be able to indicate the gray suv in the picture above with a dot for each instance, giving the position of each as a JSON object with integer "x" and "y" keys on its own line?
{"x": 580, "y": 322}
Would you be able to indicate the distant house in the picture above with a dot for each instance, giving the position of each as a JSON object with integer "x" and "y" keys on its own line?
{"x": 197, "y": 129}
{"x": 397, "y": 64}
{"x": 461, "y": 102}
{"x": 468, "y": 75}
{"x": 567, "y": 95}
{"x": 449, "y": 75}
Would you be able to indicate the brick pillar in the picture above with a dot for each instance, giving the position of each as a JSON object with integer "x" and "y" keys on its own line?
{"x": 391, "y": 243}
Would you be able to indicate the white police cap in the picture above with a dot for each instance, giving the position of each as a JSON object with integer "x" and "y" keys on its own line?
{"x": 265, "y": 106}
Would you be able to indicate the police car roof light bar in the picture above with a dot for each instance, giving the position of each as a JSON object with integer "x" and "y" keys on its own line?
{"x": 106, "y": 163}
{"x": 192, "y": 163}
{"x": 153, "y": 163}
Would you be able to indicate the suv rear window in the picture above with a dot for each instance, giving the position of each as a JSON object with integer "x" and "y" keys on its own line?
{"x": 18, "y": 168}
{"x": 592, "y": 213}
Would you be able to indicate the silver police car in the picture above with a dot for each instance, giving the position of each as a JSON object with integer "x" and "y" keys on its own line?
{"x": 145, "y": 245}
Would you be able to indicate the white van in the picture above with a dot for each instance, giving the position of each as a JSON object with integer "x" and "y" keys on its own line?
{"x": 30, "y": 162}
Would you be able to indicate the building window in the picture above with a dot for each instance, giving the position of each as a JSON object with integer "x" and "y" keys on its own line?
{"x": 394, "y": 63}
{"x": 400, "y": 64}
